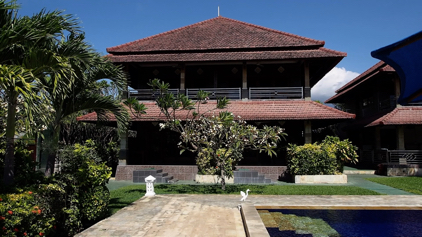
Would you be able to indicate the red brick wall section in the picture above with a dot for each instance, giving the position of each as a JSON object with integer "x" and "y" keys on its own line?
{"x": 188, "y": 172}
{"x": 179, "y": 172}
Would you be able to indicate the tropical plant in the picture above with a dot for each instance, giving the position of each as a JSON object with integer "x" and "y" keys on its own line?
{"x": 81, "y": 95}
{"x": 24, "y": 59}
{"x": 325, "y": 158}
{"x": 218, "y": 139}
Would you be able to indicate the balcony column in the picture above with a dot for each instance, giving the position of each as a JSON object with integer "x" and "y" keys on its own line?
{"x": 397, "y": 89}
{"x": 307, "y": 87}
{"x": 400, "y": 137}
{"x": 125, "y": 93}
{"x": 308, "y": 131}
{"x": 245, "y": 91}
{"x": 123, "y": 148}
{"x": 182, "y": 89}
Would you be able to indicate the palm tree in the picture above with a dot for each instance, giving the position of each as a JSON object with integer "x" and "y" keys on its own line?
{"x": 82, "y": 93}
{"x": 24, "y": 59}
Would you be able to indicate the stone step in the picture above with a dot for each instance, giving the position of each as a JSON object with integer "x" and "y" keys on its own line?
{"x": 251, "y": 180}
{"x": 246, "y": 174}
{"x": 249, "y": 177}
{"x": 158, "y": 179}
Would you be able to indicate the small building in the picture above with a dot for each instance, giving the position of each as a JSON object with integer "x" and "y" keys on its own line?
{"x": 384, "y": 130}
{"x": 266, "y": 74}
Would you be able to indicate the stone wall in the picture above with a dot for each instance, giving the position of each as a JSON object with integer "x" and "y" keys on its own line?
{"x": 188, "y": 172}
{"x": 179, "y": 172}
{"x": 404, "y": 170}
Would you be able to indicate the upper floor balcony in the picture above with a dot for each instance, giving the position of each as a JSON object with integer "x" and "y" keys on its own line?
{"x": 252, "y": 93}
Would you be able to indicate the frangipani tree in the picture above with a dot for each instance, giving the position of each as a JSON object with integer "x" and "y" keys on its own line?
{"x": 217, "y": 137}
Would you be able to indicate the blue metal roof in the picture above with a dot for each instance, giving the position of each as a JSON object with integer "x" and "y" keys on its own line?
{"x": 405, "y": 57}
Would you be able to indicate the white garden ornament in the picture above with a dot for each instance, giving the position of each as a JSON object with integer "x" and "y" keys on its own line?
{"x": 150, "y": 186}
{"x": 244, "y": 196}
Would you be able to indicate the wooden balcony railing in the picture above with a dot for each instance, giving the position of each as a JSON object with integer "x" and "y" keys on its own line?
{"x": 214, "y": 93}
{"x": 392, "y": 156}
{"x": 405, "y": 156}
{"x": 148, "y": 94}
{"x": 275, "y": 93}
{"x": 229, "y": 93}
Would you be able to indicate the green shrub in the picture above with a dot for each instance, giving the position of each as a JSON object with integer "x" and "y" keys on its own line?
{"x": 344, "y": 150}
{"x": 77, "y": 196}
{"x": 21, "y": 215}
{"x": 310, "y": 159}
{"x": 325, "y": 158}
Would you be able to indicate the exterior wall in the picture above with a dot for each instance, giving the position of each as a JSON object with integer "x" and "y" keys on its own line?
{"x": 180, "y": 172}
{"x": 188, "y": 172}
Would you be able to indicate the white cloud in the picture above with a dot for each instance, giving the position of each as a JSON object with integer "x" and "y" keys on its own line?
{"x": 334, "y": 79}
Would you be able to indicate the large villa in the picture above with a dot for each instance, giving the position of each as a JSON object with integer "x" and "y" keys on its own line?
{"x": 267, "y": 75}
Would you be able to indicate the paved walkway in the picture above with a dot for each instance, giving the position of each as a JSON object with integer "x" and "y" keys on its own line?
{"x": 360, "y": 181}
{"x": 217, "y": 215}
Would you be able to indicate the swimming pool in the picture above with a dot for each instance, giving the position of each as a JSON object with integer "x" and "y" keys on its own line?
{"x": 347, "y": 221}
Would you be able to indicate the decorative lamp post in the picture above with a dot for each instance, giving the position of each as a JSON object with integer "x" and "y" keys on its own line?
{"x": 150, "y": 186}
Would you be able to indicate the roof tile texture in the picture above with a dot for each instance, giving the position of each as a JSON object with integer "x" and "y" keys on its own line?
{"x": 252, "y": 110}
{"x": 407, "y": 115}
{"x": 224, "y": 56}
{"x": 367, "y": 75}
{"x": 217, "y": 33}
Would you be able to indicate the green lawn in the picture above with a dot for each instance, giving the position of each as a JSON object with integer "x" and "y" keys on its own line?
{"x": 408, "y": 184}
{"x": 122, "y": 197}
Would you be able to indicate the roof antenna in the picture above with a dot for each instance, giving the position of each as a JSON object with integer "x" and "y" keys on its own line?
{"x": 218, "y": 10}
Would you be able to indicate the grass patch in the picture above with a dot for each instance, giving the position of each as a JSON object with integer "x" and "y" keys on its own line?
{"x": 408, "y": 184}
{"x": 122, "y": 197}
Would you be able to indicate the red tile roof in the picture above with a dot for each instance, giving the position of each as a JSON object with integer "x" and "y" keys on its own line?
{"x": 407, "y": 115}
{"x": 365, "y": 76}
{"x": 253, "y": 110}
{"x": 217, "y": 33}
{"x": 225, "y": 56}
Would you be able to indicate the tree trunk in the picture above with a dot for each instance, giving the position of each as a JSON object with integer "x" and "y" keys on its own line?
{"x": 9, "y": 162}
{"x": 52, "y": 140}
{"x": 223, "y": 179}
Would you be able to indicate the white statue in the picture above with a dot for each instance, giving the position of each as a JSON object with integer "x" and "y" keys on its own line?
{"x": 244, "y": 196}
{"x": 150, "y": 186}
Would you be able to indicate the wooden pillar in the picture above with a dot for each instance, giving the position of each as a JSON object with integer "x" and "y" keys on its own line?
{"x": 182, "y": 79}
{"x": 123, "y": 148}
{"x": 308, "y": 131}
{"x": 397, "y": 89}
{"x": 125, "y": 93}
{"x": 307, "y": 85}
{"x": 245, "y": 91}
{"x": 377, "y": 138}
{"x": 400, "y": 137}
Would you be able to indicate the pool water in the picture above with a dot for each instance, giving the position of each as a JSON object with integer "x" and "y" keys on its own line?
{"x": 356, "y": 223}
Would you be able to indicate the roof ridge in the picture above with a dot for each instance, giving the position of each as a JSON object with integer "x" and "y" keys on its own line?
{"x": 333, "y": 109}
{"x": 160, "y": 34}
{"x": 363, "y": 74}
{"x": 387, "y": 116}
{"x": 334, "y": 51}
{"x": 275, "y": 31}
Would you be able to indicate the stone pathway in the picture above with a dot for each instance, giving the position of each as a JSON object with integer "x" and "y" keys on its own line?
{"x": 360, "y": 181}
{"x": 217, "y": 215}
{"x": 174, "y": 215}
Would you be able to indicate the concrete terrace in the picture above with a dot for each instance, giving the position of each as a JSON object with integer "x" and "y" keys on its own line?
{"x": 218, "y": 215}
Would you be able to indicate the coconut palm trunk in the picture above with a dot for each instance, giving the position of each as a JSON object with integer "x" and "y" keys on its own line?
{"x": 9, "y": 162}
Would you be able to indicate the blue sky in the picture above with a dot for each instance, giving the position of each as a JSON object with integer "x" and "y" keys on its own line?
{"x": 356, "y": 27}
